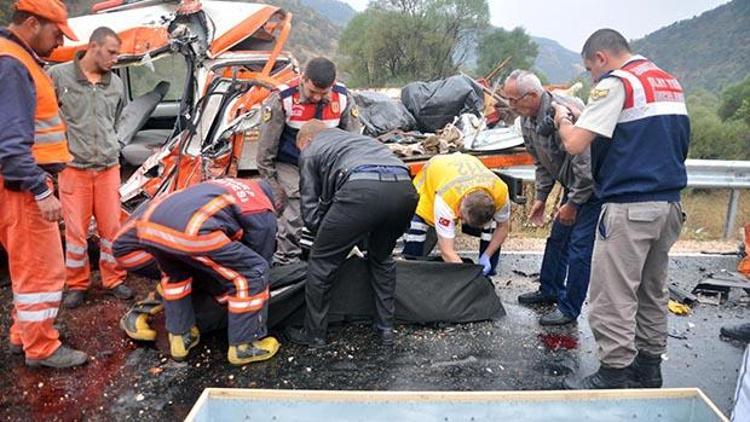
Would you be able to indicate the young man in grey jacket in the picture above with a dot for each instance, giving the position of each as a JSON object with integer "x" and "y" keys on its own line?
{"x": 91, "y": 98}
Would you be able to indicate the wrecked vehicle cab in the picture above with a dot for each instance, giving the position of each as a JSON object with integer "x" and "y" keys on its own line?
{"x": 195, "y": 74}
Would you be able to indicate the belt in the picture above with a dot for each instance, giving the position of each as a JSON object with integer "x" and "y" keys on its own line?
{"x": 389, "y": 177}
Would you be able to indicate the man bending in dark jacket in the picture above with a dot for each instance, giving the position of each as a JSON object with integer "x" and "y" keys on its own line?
{"x": 353, "y": 191}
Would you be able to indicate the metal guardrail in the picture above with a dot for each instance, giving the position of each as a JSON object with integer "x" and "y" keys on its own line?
{"x": 709, "y": 174}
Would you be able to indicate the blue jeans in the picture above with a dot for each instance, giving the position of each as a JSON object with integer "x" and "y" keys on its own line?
{"x": 566, "y": 266}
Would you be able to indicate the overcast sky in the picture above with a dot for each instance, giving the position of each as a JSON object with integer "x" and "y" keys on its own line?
{"x": 570, "y": 22}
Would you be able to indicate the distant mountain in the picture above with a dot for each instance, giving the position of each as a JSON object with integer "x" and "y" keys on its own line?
{"x": 336, "y": 11}
{"x": 312, "y": 33}
{"x": 708, "y": 51}
{"x": 558, "y": 64}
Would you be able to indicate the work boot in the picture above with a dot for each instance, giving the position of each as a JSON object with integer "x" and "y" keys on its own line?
{"x": 256, "y": 351}
{"x": 74, "y": 298}
{"x": 15, "y": 349}
{"x": 740, "y": 332}
{"x": 604, "y": 378}
{"x": 556, "y": 317}
{"x": 64, "y": 357}
{"x": 135, "y": 325}
{"x": 299, "y": 336}
{"x": 121, "y": 292}
{"x": 647, "y": 370}
{"x": 386, "y": 335}
{"x": 180, "y": 345}
{"x": 536, "y": 298}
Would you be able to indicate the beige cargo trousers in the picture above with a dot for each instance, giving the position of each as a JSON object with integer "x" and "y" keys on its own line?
{"x": 628, "y": 292}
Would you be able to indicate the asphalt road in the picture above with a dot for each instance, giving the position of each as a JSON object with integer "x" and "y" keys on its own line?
{"x": 137, "y": 381}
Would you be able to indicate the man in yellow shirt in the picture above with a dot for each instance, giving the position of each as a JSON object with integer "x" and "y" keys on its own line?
{"x": 458, "y": 187}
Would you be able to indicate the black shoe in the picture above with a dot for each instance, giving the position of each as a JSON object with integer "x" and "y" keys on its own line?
{"x": 604, "y": 378}
{"x": 121, "y": 292}
{"x": 387, "y": 338}
{"x": 536, "y": 298}
{"x": 556, "y": 317}
{"x": 74, "y": 298}
{"x": 299, "y": 336}
{"x": 15, "y": 349}
{"x": 647, "y": 370}
{"x": 740, "y": 332}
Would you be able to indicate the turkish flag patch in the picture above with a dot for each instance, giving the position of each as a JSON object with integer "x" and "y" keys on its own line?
{"x": 444, "y": 222}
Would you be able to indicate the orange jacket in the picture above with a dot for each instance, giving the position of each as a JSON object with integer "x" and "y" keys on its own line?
{"x": 50, "y": 145}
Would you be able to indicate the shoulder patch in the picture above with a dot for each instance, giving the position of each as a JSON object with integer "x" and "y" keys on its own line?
{"x": 598, "y": 94}
{"x": 267, "y": 114}
{"x": 444, "y": 222}
{"x": 340, "y": 88}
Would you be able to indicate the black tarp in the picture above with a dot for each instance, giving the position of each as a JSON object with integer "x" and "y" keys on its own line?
{"x": 381, "y": 114}
{"x": 435, "y": 104}
{"x": 426, "y": 292}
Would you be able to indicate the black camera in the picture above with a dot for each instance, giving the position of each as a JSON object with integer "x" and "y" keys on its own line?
{"x": 547, "y": 125}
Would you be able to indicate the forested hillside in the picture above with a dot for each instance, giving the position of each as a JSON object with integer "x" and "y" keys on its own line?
{"x": 709, "y": 51}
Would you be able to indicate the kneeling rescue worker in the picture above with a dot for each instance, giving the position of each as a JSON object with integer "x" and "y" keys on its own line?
{"x": 224, "y": 229}
{"x": 459, "y": 187}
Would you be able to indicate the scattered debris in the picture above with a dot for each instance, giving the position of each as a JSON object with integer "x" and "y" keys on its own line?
{"x": 678, "y": 308}
{"x": 681, "y": 295}
{"x": 677, "y": 334}
{"x": 523, "y": 274}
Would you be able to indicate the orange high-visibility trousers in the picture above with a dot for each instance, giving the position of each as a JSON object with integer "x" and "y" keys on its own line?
{"x": 37, "y": 272}
{"x": 83, "y": 194}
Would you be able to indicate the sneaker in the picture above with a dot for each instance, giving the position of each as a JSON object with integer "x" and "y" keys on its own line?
{"x": 299, "y": 336}
{"x": 604, "y": 379}
{"x": 74, "y": 298}
{"x": 556, "y": 317}
{"x": 121, "y": 292}
{"x": 180, "y": 345}
{"x": 64, "y": 357}
{"x": 536, "y": 298}
{"x": 256, "y": 351}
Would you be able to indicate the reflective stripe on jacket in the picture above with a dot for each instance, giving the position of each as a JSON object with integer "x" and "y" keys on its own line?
{"x": 50, "y": 145}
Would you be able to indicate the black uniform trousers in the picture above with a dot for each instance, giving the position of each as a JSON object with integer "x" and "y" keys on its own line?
{"x": 371, "y": 212}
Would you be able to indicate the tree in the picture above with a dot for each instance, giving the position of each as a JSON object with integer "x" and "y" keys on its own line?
{"x": 398, "y": 41}
{"x": 712, "y": 138}
{"x": 6, "y": 11}
{"x": 498, "y": 44}
{"x": 732, "y": 99}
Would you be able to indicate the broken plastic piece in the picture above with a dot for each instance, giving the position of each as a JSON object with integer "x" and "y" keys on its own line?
{"x": 678, "y": 308}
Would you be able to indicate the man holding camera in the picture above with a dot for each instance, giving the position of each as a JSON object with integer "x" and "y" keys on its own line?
{"x": 566, "y": 265}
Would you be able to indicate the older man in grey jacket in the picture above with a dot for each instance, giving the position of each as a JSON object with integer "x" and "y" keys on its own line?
{"x": 566, "y": 266}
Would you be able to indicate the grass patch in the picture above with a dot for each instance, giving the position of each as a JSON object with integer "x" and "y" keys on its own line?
{"x": 706, "y": 210}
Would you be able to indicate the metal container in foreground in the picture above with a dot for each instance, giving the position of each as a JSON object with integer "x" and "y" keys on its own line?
{"x": 679, "y": 405}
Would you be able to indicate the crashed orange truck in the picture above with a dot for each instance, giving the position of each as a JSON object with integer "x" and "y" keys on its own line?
{"x": 195, "y": 74}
